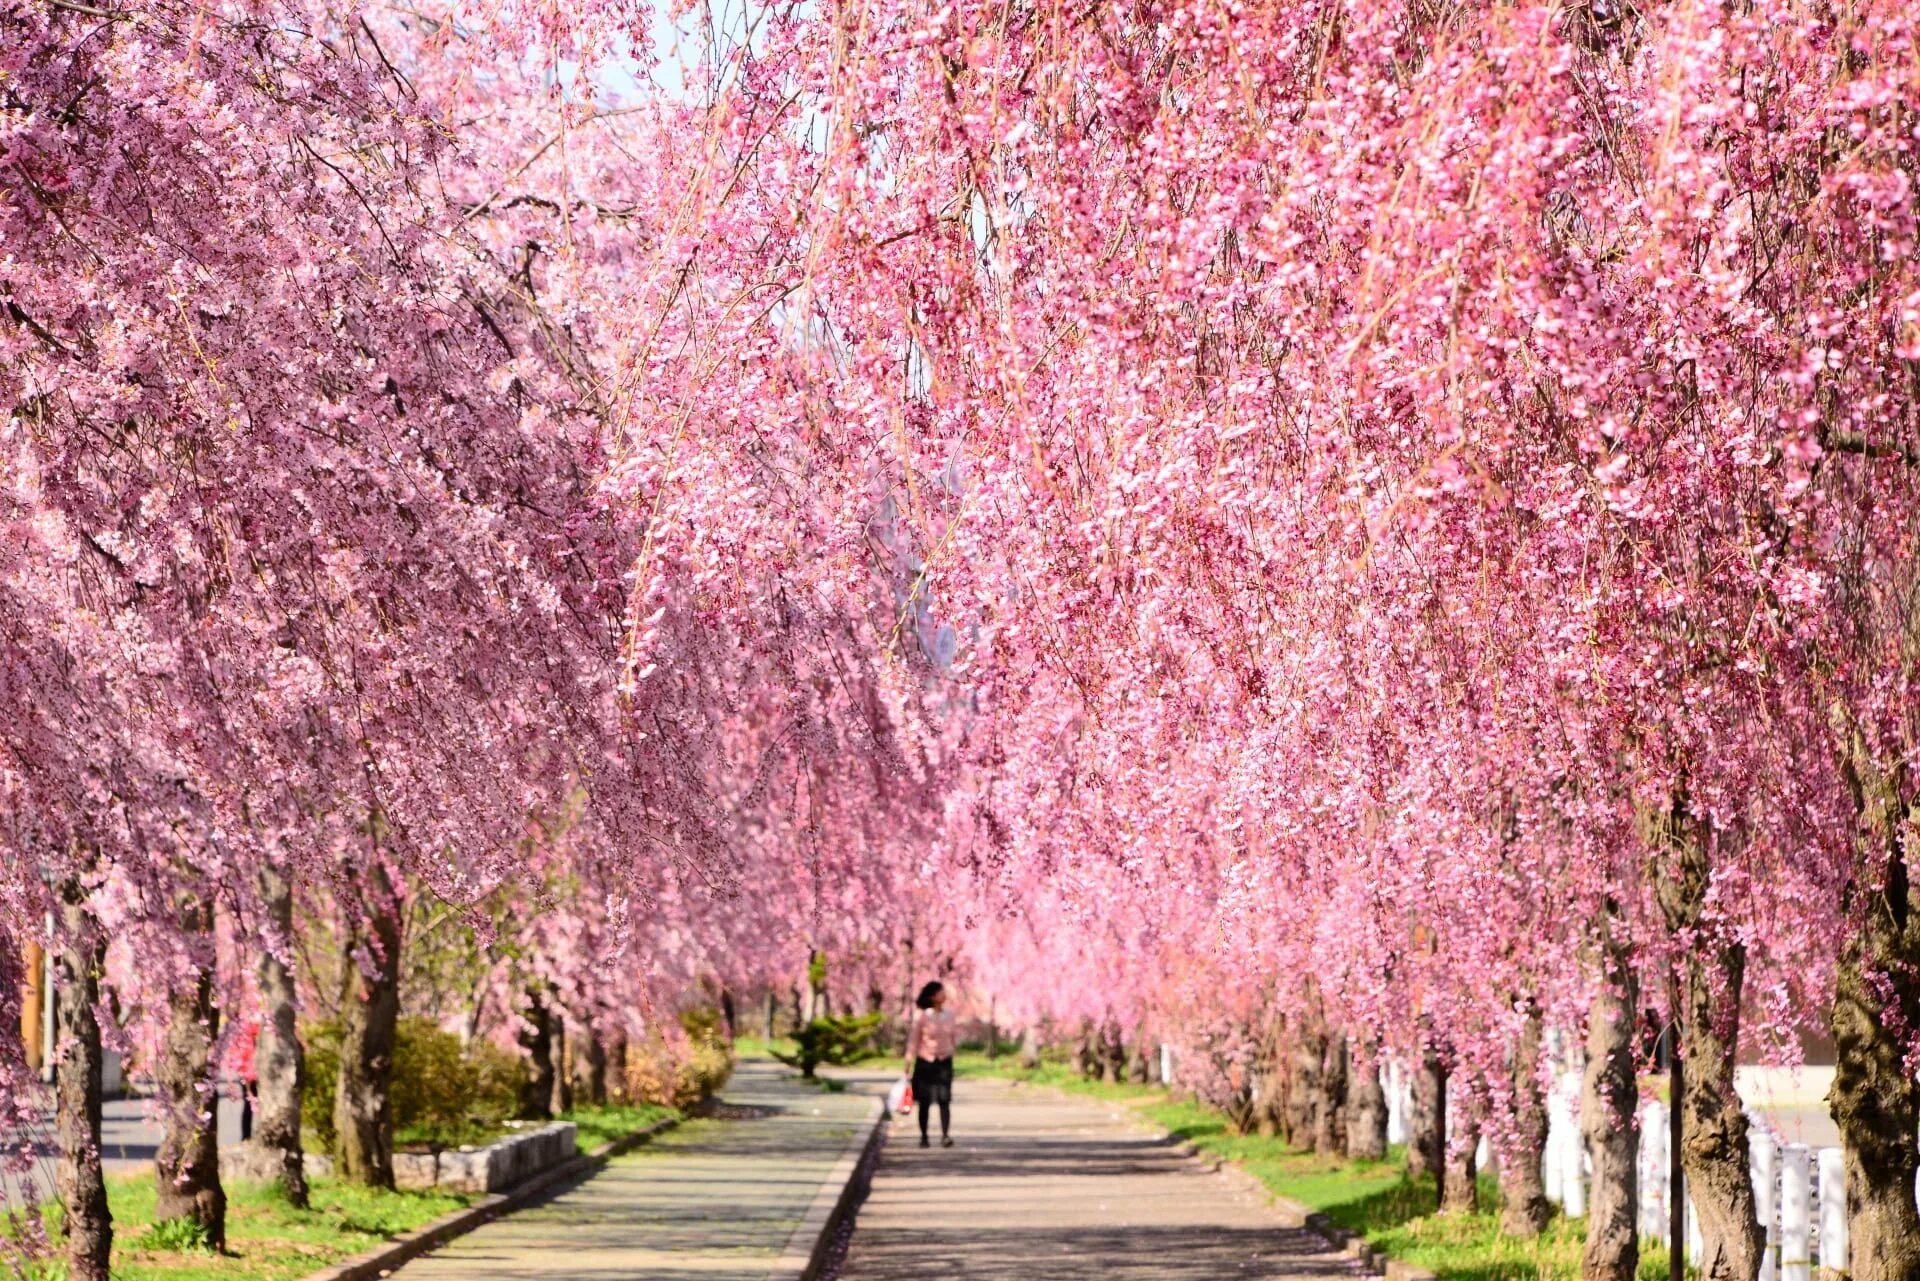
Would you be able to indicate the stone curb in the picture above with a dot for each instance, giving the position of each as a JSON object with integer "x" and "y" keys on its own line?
{"x": 1294, "y": 1214}
{"x": 382, "y": 1259}
{"x": 807, "y": 1248}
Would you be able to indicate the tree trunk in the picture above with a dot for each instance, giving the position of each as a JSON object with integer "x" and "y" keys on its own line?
{"x": 1713, "y": 1150}
{"x": 1609, "y": 1093}
{"x": 727, "y": 1011}
{"x": 590, "y": 1069}
{"x": 1427, "y": 1127}
{"x": 1084, "y": 1060}
{"x": 1113, "y": 1053}
{"x": 536, "y": 1038}
{"x": 370, "y": 1014}
{"x": 1524, "y": 1208}
{"x": 1273, "y": 1079}
{"x": 617, "y": 1068}
{"x": 1305, "y": 1065}
{"x": 1367, "y": 1111}
{"x": 76, "y": 1077}
{"x": 1873, "y": 1098}
{"x": 187, "y": 1166}
{"x": 562, "y": 1100}
{"x": 279, "y": 1061}
{"x": 1029, "y": 1047}
{"x": 1330, "y": 1123}
{"x": 773, "y": 1009}
{"x": 1140, "y": 1070}
{"x": 1460, "y": 1181}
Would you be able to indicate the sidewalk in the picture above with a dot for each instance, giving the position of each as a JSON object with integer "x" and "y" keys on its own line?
{"x": 716, "y": 1198}
{"x": 1044, "y": 1186}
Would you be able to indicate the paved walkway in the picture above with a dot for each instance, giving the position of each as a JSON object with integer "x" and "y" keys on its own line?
{"x": 713, "y": 1198}
{"x": 1044, "y": 1186}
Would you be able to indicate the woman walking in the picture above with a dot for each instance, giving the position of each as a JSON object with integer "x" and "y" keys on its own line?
{"x": 930, "y": 1059}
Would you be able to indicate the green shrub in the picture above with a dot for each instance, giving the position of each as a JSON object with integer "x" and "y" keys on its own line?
{"x": 835, "y": 1039}
{"x": 176, "y": 1234}
{"x": 442, "y": 1091}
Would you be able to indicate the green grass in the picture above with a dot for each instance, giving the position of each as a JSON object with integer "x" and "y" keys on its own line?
{"x": 602, "y": 1124}
{"x": 1375, "y": 1198}
{"x": 267, "y": 1239}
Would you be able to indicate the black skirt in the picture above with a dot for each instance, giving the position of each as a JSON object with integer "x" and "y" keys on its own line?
{"x": 933, "y": 1080}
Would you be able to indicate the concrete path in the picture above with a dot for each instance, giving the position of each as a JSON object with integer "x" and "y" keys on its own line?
{"x": 1045, "y": 1186}
{"x": 715, "y": 1198}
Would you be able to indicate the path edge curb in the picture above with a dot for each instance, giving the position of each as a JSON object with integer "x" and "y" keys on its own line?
{"x": 1352, "y": 1243}
{"x": 807, "y": 1248}
{"x": 410, "y": 1245}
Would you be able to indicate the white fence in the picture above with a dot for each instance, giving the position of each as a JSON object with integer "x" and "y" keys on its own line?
{"x": 1800, "y": 1192}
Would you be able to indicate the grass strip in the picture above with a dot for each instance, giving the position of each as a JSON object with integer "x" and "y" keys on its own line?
{"x": 1394, "y": 1212}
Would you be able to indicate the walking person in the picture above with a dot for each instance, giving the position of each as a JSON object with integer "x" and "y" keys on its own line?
{"x": 930, "y": 1045}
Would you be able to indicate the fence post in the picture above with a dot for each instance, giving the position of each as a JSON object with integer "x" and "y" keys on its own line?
{"x": 1766, "y": 1183}
{"x": 1796, "y": 1263}
{"x": 1653, "y": 1171}
{"x": 1833, "y": 1209}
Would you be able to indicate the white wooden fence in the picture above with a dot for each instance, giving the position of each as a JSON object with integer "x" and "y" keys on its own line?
{"x": 1800, "y": 1192}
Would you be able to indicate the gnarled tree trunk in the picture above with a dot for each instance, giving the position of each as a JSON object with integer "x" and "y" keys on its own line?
{"x": 1427, "y": 1127}
{"x": 1524, "y": 1208}
{"x": 1713, "y": 1152}
{"x": 76, "y": 1079}
{"x": 279, "y": 1061}
{"x": 1330, "y": 1121}
{"x": 1609, "y": 1093}
{"x": 1460, "y": 1180}
{"x": 1366, "y": 1110}
{"x": 187, "y": 1166}
{"x": 536, "y": 1038}
{"x": 1029, "y": 1047}
{"x": 370, "y": 1015}
{"x": 1303, "y": 1090}
{"x": 1873, "y": 1099}
{"x": 562, "y": 1100}
{"x": 589, "y": 1069}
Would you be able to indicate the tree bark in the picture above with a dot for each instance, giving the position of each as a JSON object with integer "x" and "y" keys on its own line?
{"x": 1367, "y": 1111}
{"x": 1330, "y": 1123}
{"x": 562, "y": 1099}
{"x": 370, "y": 1013}
{"x": 1609, "y": 1093}
{"x": 1427, "y": 1127}
{"x": 589, "y": 1069}
{"x": 1029, "y": 1047}
{"x": 536, "y": 1038}
{"x": 1306, "y": 1066}
{"x": 1524, "y": 1208}
{"x": 1085, "y": 1062}
{"x": 617, "y": 1068}
{"x": 1460, "y": 1180}
{"x": 76, "y": 1076}
{"x": 187, "y": 1166}
{"x": 279, "y": 1061}
{"x": 1873, "y": 1099}
{"x": 1713, "y": 1151}
{"x": 1113, "y": 1053}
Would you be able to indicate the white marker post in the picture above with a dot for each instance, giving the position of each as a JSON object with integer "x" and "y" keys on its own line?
{"x": 1766, "y": 1176}
{"x": 1653, "y": 1171}
{"x": 1833, "y": 1209}
{"x": 1796, "y": 1246}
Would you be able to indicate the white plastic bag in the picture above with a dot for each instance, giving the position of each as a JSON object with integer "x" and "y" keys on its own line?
{"x": 900, "y": 1096}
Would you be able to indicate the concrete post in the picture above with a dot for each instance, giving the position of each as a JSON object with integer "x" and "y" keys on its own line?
{"x": 1653, "y": 1171}
{"x": 1766, "y": 1176}
{"x": 1796, "y": 1195}
{"x": 1833, "y": 1209}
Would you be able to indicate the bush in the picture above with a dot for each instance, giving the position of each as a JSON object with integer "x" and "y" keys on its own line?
{"x": 442, "y": 1091}
{"x": 834, "y": 1039}
{"x": 680, "y": 1076}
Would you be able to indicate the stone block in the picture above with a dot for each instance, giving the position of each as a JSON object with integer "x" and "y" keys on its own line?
{"x": 414, "y": 1171}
